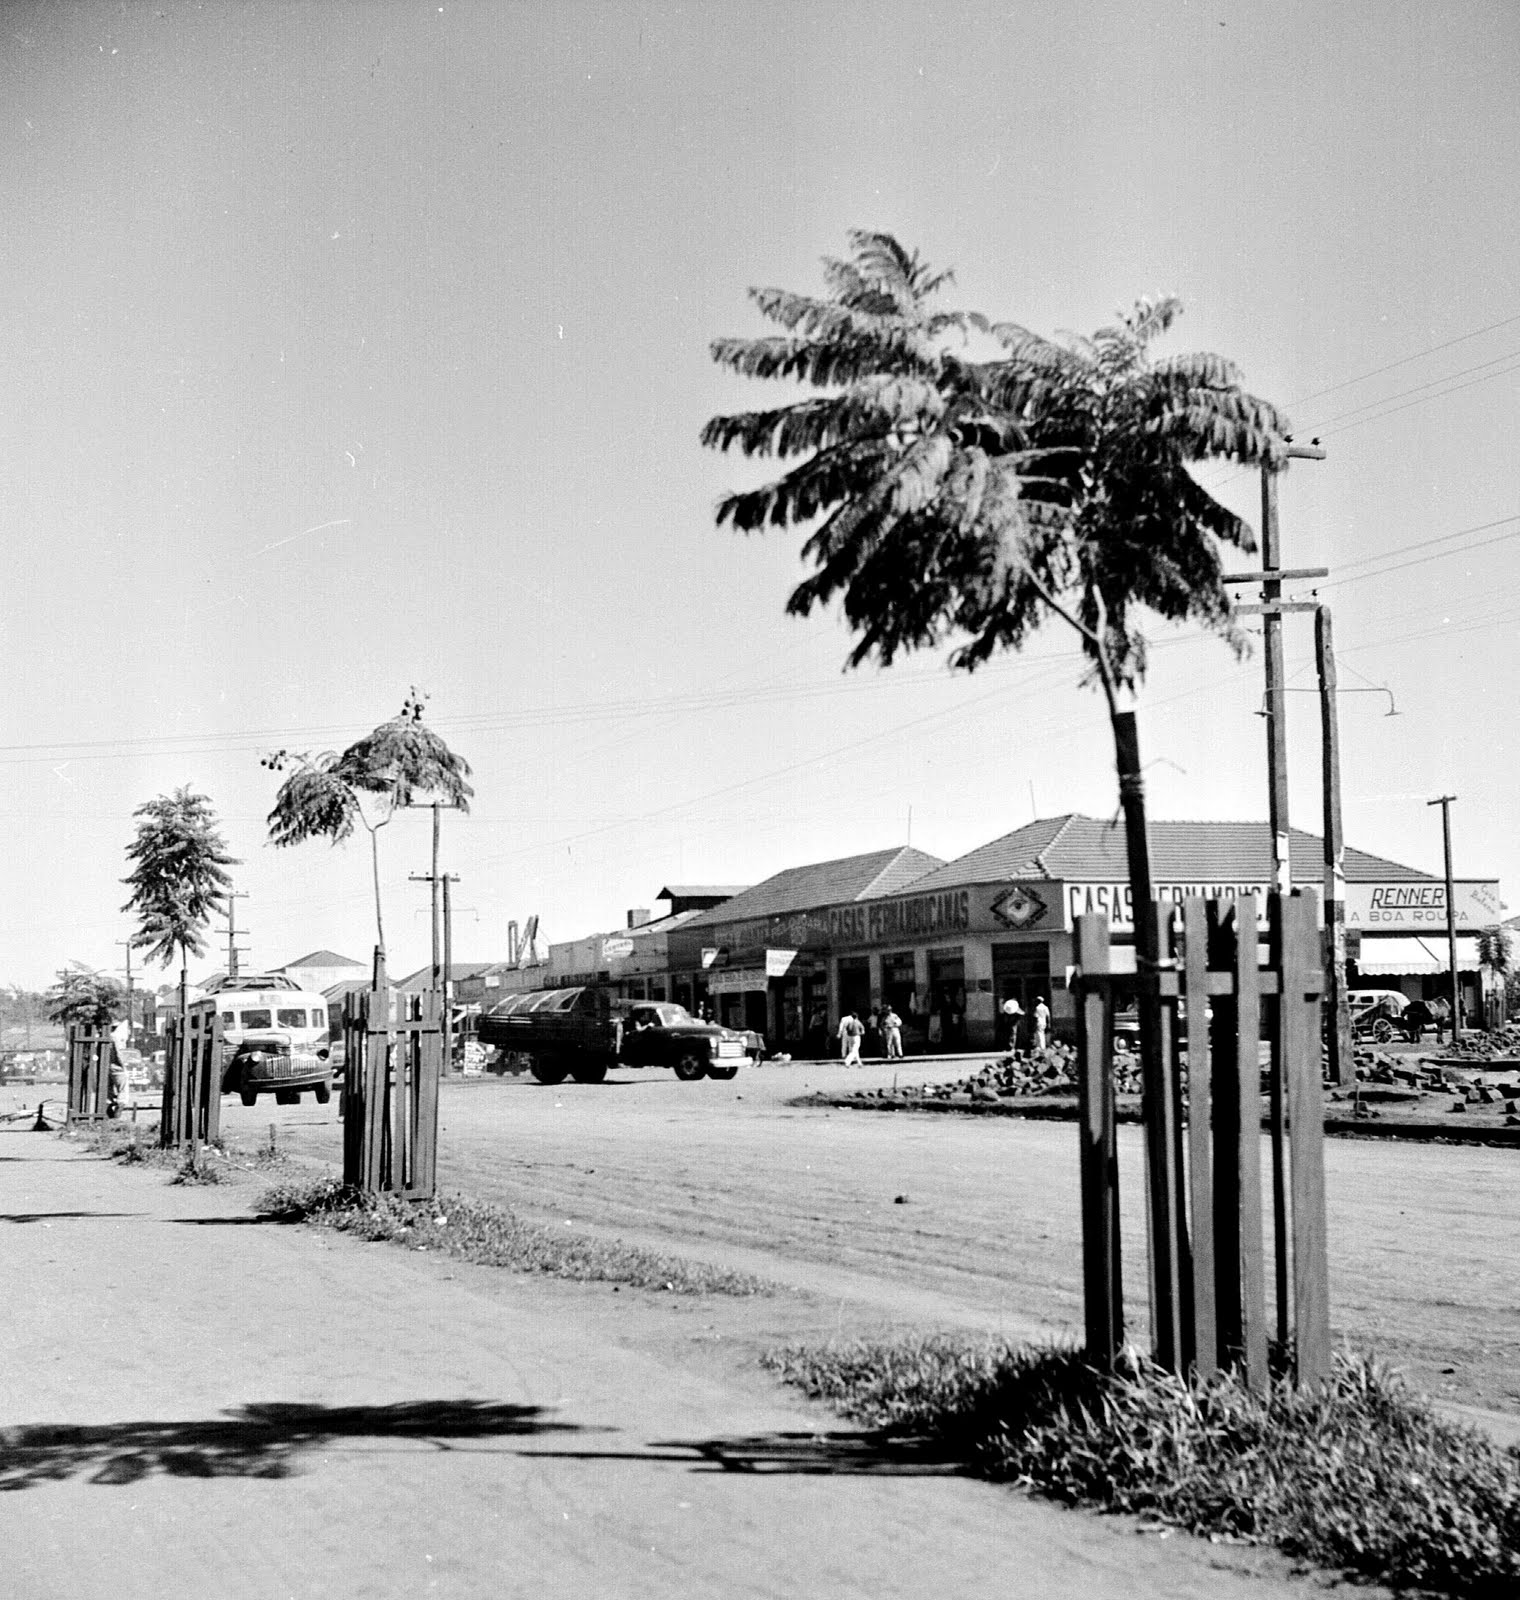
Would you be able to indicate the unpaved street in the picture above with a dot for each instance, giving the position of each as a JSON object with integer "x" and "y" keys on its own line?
{"x": 1421, "y": 1236}
{"x": 194, "y": 1405}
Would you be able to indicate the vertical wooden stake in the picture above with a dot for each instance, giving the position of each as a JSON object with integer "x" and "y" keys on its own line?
{"x": 1195, "y": 958}
{"x": 1102, "y": 1282}
{"x": 1303, "y": 986}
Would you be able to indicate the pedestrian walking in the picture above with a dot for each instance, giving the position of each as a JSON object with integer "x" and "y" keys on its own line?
{"x": 891, "y": 1027}
{"x": 1013, "y": 1015}
{"x": 851, "y": 1032}
{"x": 1041, "y": 1023}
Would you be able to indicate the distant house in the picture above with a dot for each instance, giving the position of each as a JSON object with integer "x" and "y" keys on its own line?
{"x": 322, "y": 969}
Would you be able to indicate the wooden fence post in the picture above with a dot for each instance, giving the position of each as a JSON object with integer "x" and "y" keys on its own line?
{"x": 1170, "y": 1269}
{"x": 1303, "y": 987}
{"x": 1102, "y": 1283}
{"x": 1201, "y": 1112}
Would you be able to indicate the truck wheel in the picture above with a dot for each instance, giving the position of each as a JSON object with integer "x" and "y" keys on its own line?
{"x": 287, "y": 1097}
{"x": 547, "y": 1072}
{"x": 690, "y": 1067}
{"x": 723, "y": 1072}
{"x": 593, "y": 1074}
{"x": 249, "y": 1097}
{"x": 323, "y": 1092}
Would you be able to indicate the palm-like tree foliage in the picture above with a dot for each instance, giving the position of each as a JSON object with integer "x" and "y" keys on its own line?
{"x": 401, "y": 762}
{"x": 90, "y": 999}
{"x": 953, "y": 498}
{"x": 179, "y": 877}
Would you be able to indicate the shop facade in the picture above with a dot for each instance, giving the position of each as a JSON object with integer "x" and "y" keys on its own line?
{"x": 949, "y": 947}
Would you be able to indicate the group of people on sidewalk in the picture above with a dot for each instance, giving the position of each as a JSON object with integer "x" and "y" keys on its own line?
{"x": 886, "y": 1022}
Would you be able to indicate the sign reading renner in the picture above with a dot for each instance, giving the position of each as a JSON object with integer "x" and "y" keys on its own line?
{"x": 1371, "y": 907}
{"x": 1400, "y": 907}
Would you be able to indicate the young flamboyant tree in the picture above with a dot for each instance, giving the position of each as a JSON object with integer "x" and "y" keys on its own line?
{"x": 179, "y": 879}
{"x": 951, "y": 499}
{"x": 89, "y": 999}
{"x": 395, "y": 764}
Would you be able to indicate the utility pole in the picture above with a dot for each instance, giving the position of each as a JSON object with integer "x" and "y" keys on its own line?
{"x": 1271, "y": 578}
{"x": 437, "y": 807}
{"x": 126, "y": 945}
{"x": 448, "y": 979}
{"x": 1451, "y": 917}
{"x": 1342, "y": 1058}
{"x": 233, "y": 952}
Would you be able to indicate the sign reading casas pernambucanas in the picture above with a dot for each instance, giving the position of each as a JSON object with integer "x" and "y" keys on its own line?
{"x": 902, "y": 919}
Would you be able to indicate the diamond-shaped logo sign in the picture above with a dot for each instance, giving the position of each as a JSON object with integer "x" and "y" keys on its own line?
{"x": 1018, "y": 907}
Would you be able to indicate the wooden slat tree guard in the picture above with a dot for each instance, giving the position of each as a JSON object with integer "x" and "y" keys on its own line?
{"x": 1203, "y": 1188}
{"x": 89, "y": 1073}
{"x": 191, "y": 1112}
{"x": 390, "y": 1092}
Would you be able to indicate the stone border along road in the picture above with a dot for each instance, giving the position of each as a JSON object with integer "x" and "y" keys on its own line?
{"x": 192, "y": 1404}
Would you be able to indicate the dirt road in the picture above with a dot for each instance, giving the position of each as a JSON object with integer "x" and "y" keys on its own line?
{"x": 1422, "y": 1237}
{"x": 191, "y": 1404}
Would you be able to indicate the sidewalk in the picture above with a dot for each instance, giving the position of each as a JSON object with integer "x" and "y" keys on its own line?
{"x": 196, "y": 1404}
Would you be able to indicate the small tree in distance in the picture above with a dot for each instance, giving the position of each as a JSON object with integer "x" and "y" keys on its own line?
{"x": 87, "y": 999}
{"x": 952, "y": 499}
{"x": 179, "y": 876}
{"x": 397, "y": 763}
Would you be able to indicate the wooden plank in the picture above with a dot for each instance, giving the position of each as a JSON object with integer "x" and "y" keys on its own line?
{"x": 1302, "y": 950}
{"x": 1098, "y": 1161}
{"x": 1247, "y": 1132}
{"x": 1171, "y": 1290}
{"x": 1200, "y": 1134}
{"x": 434, "y": 1056}
{"x": 1277, "y": 1110}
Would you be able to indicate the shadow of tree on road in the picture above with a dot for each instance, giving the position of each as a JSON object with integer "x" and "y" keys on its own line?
{"x": 51, "y": 1216}
{"x": 252, "y": 1441}
{"x": 823, "y": 1454}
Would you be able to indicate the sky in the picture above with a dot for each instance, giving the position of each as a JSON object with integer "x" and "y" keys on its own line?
{"x": 352, "y": 347}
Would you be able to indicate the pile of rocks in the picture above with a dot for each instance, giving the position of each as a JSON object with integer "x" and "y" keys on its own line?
{"x": 1048, "y": 1072}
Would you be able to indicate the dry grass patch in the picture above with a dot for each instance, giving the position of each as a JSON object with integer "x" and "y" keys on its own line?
{"x": 491, "y": 1235}
{"x": 1362, "y": 1476}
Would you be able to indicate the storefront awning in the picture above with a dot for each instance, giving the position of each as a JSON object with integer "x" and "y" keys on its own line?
{"x": 1413, "y": 958}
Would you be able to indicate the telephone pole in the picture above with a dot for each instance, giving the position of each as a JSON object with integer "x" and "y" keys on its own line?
{"x": 1444, "y": 802}
{"x": 126, "y": 945}
{"x": 233, "y": 952}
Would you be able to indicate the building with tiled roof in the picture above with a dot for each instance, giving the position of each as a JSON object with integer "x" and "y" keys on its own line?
{"x": 863, "y": 877}
{"x": 947, "y": 944}
{"x": 1074, "y": 847}
{"x": 321, "y": 969}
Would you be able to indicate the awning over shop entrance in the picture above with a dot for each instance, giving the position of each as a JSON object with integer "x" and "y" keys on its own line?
{"x": 1413, "y": 958}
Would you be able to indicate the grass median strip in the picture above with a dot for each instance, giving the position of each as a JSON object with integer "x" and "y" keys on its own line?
{"x": 1361, "y": 1476}
{"x": 491, "y": 1235}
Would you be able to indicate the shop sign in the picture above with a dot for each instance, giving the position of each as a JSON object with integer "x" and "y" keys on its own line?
{"x": 736, "y": 980}
{"x": 909, "y": 917}
{"x": 1019, "y": 907}
{"x": 1421, "y": 907}
{"x": 615, "y": 949}
{"x": 1116, "y": 902}
{"x": 779, "y": 962}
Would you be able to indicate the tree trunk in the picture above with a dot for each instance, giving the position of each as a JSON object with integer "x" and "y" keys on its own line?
{"x": 1171, "y": 1278}
{"x": 182, "y": 1057}
{"x": 374, "y": 856}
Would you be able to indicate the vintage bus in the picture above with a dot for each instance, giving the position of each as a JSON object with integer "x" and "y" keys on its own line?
{"x": 275, "y": 1038}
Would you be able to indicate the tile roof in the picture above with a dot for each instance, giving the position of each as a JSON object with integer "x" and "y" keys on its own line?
{"x": 1075, "y": 848}
{"x": 825, "y": 883}
{"x": 323, "y": 958}
{"x": 458, "y": 972}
